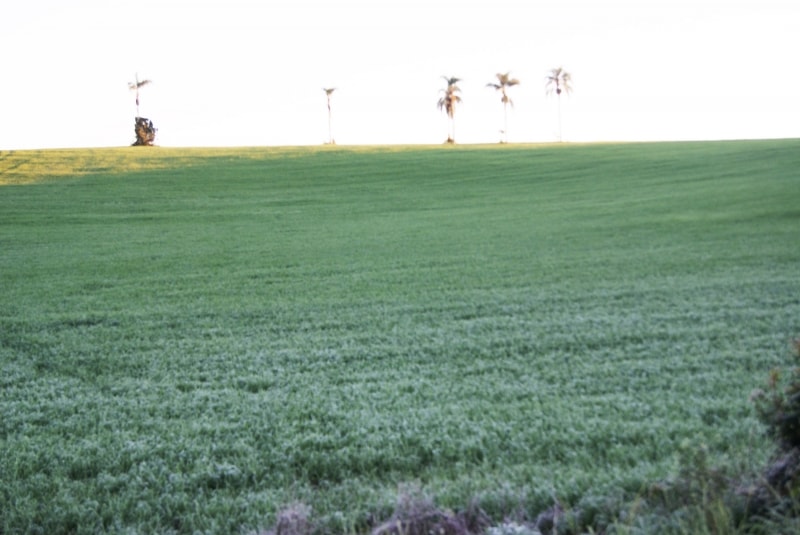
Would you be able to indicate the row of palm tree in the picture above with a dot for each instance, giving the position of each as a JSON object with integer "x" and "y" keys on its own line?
{"x": 557, "y": 81}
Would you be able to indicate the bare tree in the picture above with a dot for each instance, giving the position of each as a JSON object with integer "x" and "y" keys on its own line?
{"x": 558, "y": 81}
{"x": 504, "y": 81}
{"x": 448, "y": 103}
{"x": 328, "y": 93}
{"x": 145, "y": 132}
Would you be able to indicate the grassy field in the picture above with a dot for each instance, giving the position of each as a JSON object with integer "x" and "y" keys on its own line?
{"x": 193, "y": 339}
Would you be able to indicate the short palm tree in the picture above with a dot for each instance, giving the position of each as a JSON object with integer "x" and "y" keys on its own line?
{"x": 504, "y": 81}
{"x": 135, "y": 86}
{"x": 558, "y": 81}
{"x": 448, "y": 103}
{"x": 328, "y": 92}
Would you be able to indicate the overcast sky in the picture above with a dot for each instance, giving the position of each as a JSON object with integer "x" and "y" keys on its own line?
{"x": 251, "y": 72}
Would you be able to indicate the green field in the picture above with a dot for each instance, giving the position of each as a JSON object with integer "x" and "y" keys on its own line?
{"x": 193, "y": 339}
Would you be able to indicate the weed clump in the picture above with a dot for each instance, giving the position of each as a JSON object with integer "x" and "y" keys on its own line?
{"x": 778, "y": 407}
{"x": 417, "y": 514}
{"x": 294, "y": 519}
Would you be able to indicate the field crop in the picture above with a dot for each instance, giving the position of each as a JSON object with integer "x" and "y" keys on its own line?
{"x": 193, "y": 339}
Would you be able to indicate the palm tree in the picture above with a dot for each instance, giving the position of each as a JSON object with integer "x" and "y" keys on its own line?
{"x": 504, "y": 81}
{"x": 328, "y": 92}
{"x": 558, "y": 81}
{"x": 134, "y": 86}
{"x": 448, "y": 104}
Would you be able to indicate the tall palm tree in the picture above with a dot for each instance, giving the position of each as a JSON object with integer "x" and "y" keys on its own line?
{"x": 328, "y": 92}
{"x": 504, "y": 81}
{"x": 558, "y": 81}
{"x": 134, "y": 86}
{"x": 448, "y": 104}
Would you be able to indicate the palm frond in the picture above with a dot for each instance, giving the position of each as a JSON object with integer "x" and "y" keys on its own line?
{"x": 138, "y": 84}
{"x": 558, "y": 81}
{"x": 504, "y": 80}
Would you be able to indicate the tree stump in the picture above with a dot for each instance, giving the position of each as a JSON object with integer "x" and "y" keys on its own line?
{"x": 145, "y": 132}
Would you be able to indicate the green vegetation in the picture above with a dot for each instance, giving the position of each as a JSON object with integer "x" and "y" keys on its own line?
{"x": 197, "y": 339}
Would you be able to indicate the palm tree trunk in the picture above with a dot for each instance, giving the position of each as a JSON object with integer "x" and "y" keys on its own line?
{"x": 330, "y": 128}
{"x": 559, "y": 118}
{"x": 505, "y": 121}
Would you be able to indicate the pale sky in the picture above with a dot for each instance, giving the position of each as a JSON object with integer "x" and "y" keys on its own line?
{"x": 251, "y": 73}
